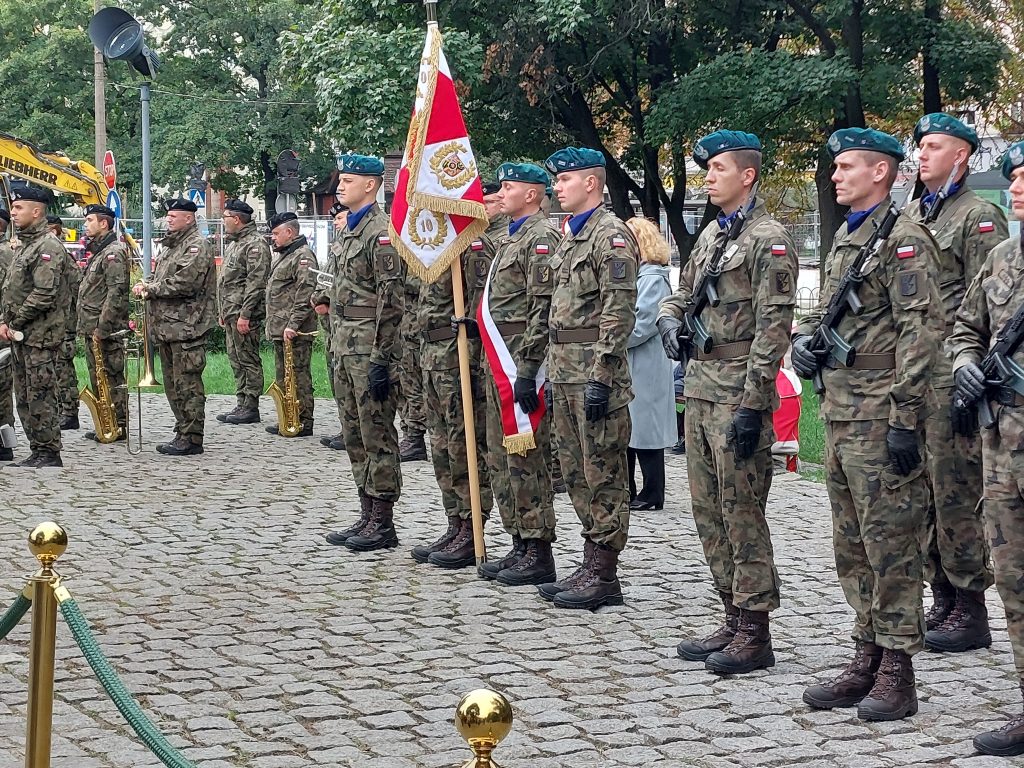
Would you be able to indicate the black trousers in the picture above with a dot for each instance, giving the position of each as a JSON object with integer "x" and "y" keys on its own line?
{"x": 652, "y": 468}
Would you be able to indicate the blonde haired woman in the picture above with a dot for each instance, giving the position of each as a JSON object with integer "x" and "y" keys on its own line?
{"x": 653, "y": 410}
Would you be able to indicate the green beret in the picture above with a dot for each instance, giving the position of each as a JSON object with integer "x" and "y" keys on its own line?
{"x": 723, "y": 141}
{"x": 940, "y": 122}
{"x": 1013, "y": 159}
{"x": 864, "y": 138}
{"x": 527, "y": 173}
{"x": 360, "y": 165}
{"x": 574, "y": 159}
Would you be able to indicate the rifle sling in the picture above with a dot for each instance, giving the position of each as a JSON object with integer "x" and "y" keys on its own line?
{"x": 868, "y": 361}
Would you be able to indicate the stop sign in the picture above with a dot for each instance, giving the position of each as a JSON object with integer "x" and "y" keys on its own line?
{"x": 109, "y": 170}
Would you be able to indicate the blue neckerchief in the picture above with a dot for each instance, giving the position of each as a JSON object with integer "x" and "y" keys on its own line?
{"x": 513, "y": 226}
{"x": 724, "y": 222}
{"x": 576, "y": 222}
{"x": 855, "y": 218}
{"x": 929, "y": 197}
{"x": 355, "y": 218}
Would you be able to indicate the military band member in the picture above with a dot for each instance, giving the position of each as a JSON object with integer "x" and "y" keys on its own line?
{"x": 67, "y": 378}
{"x": 730, "y": 397}
{"x": 366, "y": 309}
{"x": 241, "y": 307}
{"x": 36, "y": 298}
{"x": 591, "y": 320}
{"x": 182, "y": 306}
{"x": 103, "y": 307}
{"x": 6, "y": 368}
{"x": 290, "y": 317}
{"x": 338, "y": 214}
{"x": 875, "y": 413}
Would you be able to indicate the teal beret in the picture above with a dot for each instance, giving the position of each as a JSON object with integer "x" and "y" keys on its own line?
{"x": 1013, "y": 159}
{"x": 864, "y": 138}
{"x": 574, "y": 159}
{"x": 723, "y": 141}
{"x": 940, "y": 122}
{"x": 360, "y": 165}
{"x": 525, "y": 172}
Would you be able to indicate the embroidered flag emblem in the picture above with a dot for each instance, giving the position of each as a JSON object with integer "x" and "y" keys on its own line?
{"x": 384, "y": 240}
{"x": 543, "y": 248}
{"x": 905, "y": 252}
{"x": 477, "y": 245}
{"x": 986, "y": 226}
{"x": 618, "y": 242}
{"x": 779, "y": 250}
{"x": 45, "y": 257}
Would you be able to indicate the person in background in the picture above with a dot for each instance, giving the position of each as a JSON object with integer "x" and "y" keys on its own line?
{"x": 677, "y": 377}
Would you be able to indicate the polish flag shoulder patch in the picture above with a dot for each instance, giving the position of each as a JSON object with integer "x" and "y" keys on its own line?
{"x": 779, "y": 250}
{"x": 194, "y": 249}
{"x": 383, "y": 240}
{"x": 618, "y": 241}
{"x": 111, "y": 256}
{"x": 543, "y": 248}
{"x": 477, "y": 245}
{"x": 905, "y": 252}
{"x": 303, "y": 262}
{"x": 986, "y": 226}
{"x": 44, "y": 256}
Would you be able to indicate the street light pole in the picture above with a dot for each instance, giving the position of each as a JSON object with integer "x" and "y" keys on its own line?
{"x": 147, "y": 192}
{"x": 99, "y": 99}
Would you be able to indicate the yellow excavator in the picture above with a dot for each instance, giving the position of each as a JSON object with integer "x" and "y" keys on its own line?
{"x": 77, "y": 179}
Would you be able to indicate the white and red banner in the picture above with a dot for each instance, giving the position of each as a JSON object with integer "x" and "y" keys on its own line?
{"x": 438, "y": 208}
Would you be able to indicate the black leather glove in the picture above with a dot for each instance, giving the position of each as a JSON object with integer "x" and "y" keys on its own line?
{"x": 903, "y": 450}
{"x": 970, "y": 384}
{"x": 595, "y": 400}
{"x": 669, "y": 327}
{"x": 472, "y": 329}
{"x": 805, "y": 361}
{"x": 746, "y": 425}
{"x": 963, "y": 419}
{"x": 524, "y": 391}
{"x": 379, "y": 382}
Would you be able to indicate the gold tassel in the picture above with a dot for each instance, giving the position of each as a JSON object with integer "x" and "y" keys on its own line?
{"x": 519, "y": 444}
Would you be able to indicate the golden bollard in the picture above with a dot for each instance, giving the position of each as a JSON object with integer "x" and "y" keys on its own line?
{"x": 483, "y": 718}
{"x": 47, "y": 542}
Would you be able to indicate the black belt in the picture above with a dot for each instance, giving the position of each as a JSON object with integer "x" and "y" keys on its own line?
{"x": 510, "y": 329}
{"x": 1008, "y": 396}
{"x": 358, "y": 312}
{"x": 574, "y": 336}
{"x": 725, "y": 351}
{"x": 874, "y": 362}
{"x": 444, "y": 333}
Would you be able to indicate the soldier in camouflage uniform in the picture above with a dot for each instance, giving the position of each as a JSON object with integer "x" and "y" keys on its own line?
{"x": 874, "y": 415}
{"x": 412, "y": 408}
{"x": 103, "y": 307}
{"x": 730, "y": 396}
{"x": 290, "y": 315}
{"x": 36, "y": 297}
{"x": 995, "y": 295}
{"x": 241, "y": 307}
{"x": 966, "y": 228}
{"x": 182, "y": 306}
{"x": 67, "y": 378}
{"x": 366, "y": 310}
{"x": 6, "y": 367}
{"x": 591, "y": 319}
{"x": 339, "y": 214}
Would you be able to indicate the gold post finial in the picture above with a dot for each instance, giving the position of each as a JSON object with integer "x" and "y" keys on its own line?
{"x": 47, "y": 543}
{"x": 483, "y": 718}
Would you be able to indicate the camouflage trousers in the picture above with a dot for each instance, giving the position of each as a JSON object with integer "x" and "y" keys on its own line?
{"x": 1003, "y": 452}
{"x": 877, "y": 520}
{"x": 113, "y": 363}
{"x": 67, "y": 379}
{"x": 412, "y": 412}
{"x": 593, "y": 460}
{"x": 182, "y": 363}
{"x": 368, "y": 427}
{"x": 332, "y": 362}
{"x": 729, "y": 497}
{"x": 522, "y": 484}
{"x": 302, "y": 358}
{"x": 7, "y": 392}
{"x": 247, "y": 365}
{"x": 448, "y": 451}
{"x": 35, "y": 388}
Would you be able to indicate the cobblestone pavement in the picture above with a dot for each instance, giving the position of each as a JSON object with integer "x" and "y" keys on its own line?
{"x": 253, "y": 643}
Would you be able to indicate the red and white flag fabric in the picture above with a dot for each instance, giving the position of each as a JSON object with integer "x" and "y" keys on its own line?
{"x": 438, "y": 208}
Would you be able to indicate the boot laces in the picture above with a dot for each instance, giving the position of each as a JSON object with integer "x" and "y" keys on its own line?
{"x": 1015, "y": 722}
{"x": 857, "y": 666}
{"x": 888, "y": 677}
{"x": 528, "y": 560}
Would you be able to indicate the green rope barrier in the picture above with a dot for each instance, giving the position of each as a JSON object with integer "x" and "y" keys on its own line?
{"x": 115, "y": 689}
{"x": 14, "y": 615}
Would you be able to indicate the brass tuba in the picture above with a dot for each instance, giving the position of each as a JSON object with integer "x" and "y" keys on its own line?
{"x": 287, "y": 401}
{"x": 100, "y": 405}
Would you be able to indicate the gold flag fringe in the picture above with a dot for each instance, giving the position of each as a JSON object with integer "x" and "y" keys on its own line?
{"x": 520, "y": 443}
{"x": 429, "y": 275}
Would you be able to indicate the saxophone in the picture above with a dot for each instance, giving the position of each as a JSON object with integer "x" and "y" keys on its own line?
{"x": 100, "y": 406}
{"x": 287, "y": 401}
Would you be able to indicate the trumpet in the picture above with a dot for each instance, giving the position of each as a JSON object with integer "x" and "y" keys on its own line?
{"x": 324, "y": 280}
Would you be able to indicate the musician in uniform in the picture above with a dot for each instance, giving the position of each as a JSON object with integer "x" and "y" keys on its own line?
{"x": 338, "y": 213}
{"x": 6, "y": 366}
{"x": 67, "y": 378}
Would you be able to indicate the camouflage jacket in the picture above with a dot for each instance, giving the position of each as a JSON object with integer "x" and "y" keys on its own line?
{"x": 322, "y": 296}
{"x": 967, "y": 228}
{"x": 183, "y": 288}
{"x": 75, "y": 274}
{"x": 411, "y": 329}
{"x": 289, "y": 289}
{"x": 520, "y": 290}
{"x": 6, "y": 258}
{"x": 104, "y": 292}
{"x": 902, "y": 317}
{"x": 758, "y": 293}
{"x": 594, "y": 299}
{"x": 242, "y": 280}
{"x": 366, "y": 300}
{"x": 37, "y": 293}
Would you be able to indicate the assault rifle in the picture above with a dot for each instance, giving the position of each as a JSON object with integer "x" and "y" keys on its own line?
{"x": 999, "y": 369}
{"x": 932, "y": 213}
{"x": 693, "y": 334}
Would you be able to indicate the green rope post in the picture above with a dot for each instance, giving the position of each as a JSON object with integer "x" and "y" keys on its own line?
{"x": 14, "y": 615}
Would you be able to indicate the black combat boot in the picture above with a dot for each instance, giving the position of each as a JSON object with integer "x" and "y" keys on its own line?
{"x": 548, "y": 591}
{"x": 379, "y": 532}
{"x": 699, "y": 650}
{"x": 338, "y": 538}
{"x": 423, "y": 552}
{"x": 6, "y": 454}
{"x": 750, "y": 649}
{"x": 338, "y": 443}
{"x": 223, "y": 417}
{"x": 599, "y": 586}
{"x": 851, "y": 685}
{"x": 180, "y": 446}
{"x": 490, "y": 570}
{"x": 244, "y": 416}
{"x": 1005, "y": 741}
{"x": 966, "y": 627}
{"x": 460, "y": 551}
{"x": 70, "y": 422}
{"x": 40, "y": 460}
{"x": 413, "y": 447}
{"x": 894, "y": 695}
{"x": 536, "y": 566}
{"x": 943, "y": 601}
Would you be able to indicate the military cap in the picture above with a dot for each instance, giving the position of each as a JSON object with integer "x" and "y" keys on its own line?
{"x": 281, "y": 218}
{"x": 238, "y": 206}
{"x": 180, "y": 204}
{"x": 337, "y": 208}
{"x": 723, "y": 141}
{"x": 528, "y": 173}
{"x": 574, "y": 159}
{"x": 99, "y": 210}
{"x": 940, "y": 122}
{"x": 51, "y": 219}
{"x": 868, "y": 139}
{"x": 5, "y": 214}
{"x": 29, "y": 193}
{"x": 1013, "y": 159}
{"x": 490, "y": 188}
{"x": 360, "y": 165}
